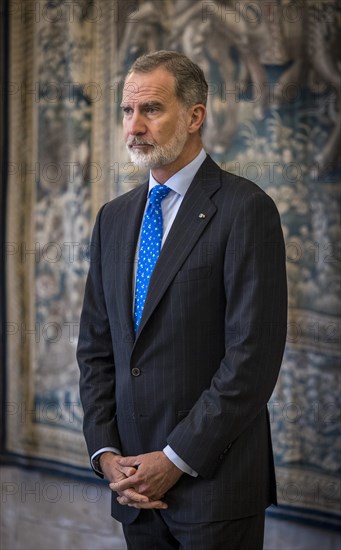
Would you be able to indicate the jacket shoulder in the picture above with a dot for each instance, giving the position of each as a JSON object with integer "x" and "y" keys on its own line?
{"x": 228, "y": 179}
{"x": 116, "y": 204}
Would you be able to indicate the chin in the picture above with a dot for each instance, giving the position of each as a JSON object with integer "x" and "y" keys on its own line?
{"x": 140, "y": 161}
{"x": 157, "y": 159}
{"x": 144, "y": 160}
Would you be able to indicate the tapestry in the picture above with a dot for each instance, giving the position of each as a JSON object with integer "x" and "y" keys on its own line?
{"x": 273, "y": 69}
{"x": 48, "y": 228}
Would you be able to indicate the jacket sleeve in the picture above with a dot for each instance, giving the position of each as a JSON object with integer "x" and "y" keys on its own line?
{"x": 255, "y": 332}
{"x": 96, "y": 359}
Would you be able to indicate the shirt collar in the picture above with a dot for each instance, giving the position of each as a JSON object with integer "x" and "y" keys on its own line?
{"x": 181, "y": 180}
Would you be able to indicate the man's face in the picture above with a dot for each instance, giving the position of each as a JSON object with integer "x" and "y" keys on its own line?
{"x": 154, "y": 120}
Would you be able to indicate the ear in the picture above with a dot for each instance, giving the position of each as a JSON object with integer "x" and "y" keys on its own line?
{"x": 196, "y": 115}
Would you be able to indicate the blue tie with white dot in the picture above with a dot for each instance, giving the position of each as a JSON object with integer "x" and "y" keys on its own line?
{"x": 150, "y": 246}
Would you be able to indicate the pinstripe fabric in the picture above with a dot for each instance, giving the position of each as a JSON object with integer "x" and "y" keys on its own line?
{"x": 154, "y": 529}
{"x": 206, "y": 356}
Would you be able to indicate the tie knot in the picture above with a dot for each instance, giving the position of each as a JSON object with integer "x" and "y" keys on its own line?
{"x": 158, "y": 193}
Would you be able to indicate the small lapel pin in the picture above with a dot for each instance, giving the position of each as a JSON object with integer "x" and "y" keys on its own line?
{"x": 202, "y": 216}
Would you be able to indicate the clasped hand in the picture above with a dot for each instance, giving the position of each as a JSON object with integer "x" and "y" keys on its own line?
{"x": 140, "y": 481}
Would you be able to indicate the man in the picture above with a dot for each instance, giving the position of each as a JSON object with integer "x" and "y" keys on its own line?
{"x": 182, "y": 330}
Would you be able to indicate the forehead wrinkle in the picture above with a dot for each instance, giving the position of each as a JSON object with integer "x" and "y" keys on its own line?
{"x": 138, "y": 88}
{"x": 147, "y": 94}
{"x": 143, "y": 103}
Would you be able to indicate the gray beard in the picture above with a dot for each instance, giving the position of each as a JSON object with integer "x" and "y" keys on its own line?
{"x": 161, "y": 155}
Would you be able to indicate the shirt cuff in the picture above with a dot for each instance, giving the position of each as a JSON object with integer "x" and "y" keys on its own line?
{"x": 173, "y": 457}
{"x": 95, "y": 457}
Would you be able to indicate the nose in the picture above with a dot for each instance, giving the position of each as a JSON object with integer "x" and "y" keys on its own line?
{"x": 136, "y": 125}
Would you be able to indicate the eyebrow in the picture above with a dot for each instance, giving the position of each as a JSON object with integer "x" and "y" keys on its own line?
{"x": 144, "y": 105}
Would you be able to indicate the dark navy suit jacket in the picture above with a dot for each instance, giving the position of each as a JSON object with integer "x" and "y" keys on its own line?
{"x": 202, "y": 367}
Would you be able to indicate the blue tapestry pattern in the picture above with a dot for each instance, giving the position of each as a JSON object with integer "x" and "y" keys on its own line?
{"x": 274, "y": 117}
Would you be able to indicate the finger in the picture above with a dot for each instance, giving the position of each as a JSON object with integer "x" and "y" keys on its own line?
{"x": 130, "y": 493}
{"x": 123, "y": 484}
{"x": 124, "y": 501}
{"x": 158, "y": 504}
{"x": 128, "y": 471}
{"x": 129, "y": 461}
{"x": 135, "y": 496}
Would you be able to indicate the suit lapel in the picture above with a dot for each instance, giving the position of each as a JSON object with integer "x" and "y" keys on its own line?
{"x": 196, "y": 211}
{"x": 129, "y": 232}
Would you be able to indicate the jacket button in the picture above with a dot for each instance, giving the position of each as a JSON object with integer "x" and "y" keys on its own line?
{"x": 135, "y": 371}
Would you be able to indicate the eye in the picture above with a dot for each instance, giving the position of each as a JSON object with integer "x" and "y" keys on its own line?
{"x": 151, "y": 109}
{"x": 127, "y": 110}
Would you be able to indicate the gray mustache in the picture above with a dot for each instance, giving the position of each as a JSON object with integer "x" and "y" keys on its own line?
{"x": 137, "y": 141}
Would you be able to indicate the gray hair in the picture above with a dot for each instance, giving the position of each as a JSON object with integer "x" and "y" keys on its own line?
{"x": 190, "y": 84}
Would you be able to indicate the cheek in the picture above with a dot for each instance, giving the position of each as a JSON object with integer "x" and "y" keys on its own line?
{"x": 164, "y": 132}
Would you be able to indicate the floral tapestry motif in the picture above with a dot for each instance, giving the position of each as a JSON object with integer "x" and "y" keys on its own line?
{"x": 273, "y": 70}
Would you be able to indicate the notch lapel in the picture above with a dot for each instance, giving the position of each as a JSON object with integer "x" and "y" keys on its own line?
{"x": 129, "y": 231}
{"x": 195, "y": 213}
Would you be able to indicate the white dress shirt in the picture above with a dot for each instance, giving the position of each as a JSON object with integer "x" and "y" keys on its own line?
{"x": 179, "y": 184}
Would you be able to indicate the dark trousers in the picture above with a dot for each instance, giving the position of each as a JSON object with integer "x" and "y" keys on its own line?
{"x": 154, "y": 530}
